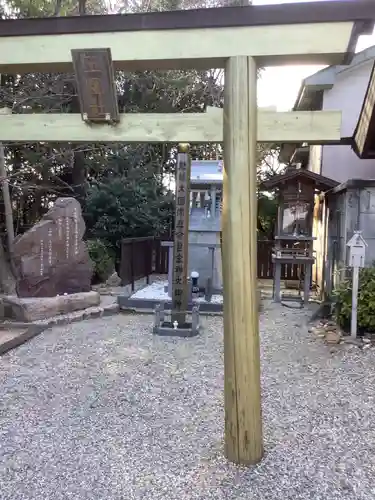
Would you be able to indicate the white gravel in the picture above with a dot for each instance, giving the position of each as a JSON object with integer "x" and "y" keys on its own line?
{"x": 156, "y": 291}
{"x": 102, "y": 410}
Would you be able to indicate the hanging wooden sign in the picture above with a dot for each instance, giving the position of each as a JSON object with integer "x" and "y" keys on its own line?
{"x": 96, "y": 88}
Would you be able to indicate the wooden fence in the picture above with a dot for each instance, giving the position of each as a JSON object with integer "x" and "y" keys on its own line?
{"x": 265, "y": 265}
{"x": 142, "y": 257}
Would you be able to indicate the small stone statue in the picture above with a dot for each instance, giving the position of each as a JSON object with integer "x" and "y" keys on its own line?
{"x": 207, "y": 205}
{"x": 195, "y": 318}
{"x": 157, "y": 315}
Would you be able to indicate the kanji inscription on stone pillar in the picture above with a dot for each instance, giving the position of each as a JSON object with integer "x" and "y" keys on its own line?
{"x": 181, "y": 235}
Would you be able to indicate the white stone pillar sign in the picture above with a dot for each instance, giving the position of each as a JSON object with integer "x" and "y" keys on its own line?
{"x": 357, "y": 251}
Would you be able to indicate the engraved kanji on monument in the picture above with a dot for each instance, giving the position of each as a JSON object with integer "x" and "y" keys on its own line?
{"x": 180, "y": 247}
{"x": 52, "y": 258}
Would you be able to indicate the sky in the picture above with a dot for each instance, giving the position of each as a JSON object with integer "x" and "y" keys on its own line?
{"x": 278, "y": 86}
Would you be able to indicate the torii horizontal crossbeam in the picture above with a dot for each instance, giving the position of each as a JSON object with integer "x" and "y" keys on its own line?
{"x": 313, "y": 32}
{"x": 184, "y": 48}
{"x": 333, "y": 11}
{"x": 313, "y": 127}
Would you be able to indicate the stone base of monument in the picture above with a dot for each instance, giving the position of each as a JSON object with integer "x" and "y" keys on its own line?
{"x": 41, "y": 308}
{"x": 205, "y": 292}
{"x": 164, "y": 326}
{"x": 148, "y": 305}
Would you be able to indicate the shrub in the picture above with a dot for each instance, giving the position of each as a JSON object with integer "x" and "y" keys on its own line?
{"x": 127, "y": 207}
{"x": 102, "y": 258}
{"x": 366, "y": 301}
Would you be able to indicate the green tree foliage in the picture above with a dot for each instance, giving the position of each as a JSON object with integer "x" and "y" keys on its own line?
{"x": 366, "y": 301}
{"x": 267, "y": 216}
{"x": 48, "y": 8}
{"x": 103, "y": 260}
{"x": 268, "y": 166}
{"x": 127, "y": 202}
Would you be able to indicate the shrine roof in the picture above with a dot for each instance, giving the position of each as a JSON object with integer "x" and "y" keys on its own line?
{"x": 322, "y": 183}
{"x": 360, "y": 11}
{"x": 206, "y": 172}
{"x": 310, "y": 98}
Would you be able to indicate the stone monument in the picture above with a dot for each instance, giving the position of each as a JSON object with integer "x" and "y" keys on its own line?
{"x": 51, "y": 258}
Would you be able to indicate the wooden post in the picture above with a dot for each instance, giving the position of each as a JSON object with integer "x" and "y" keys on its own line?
{"x": 357, "y": 253}
{"x": 353, "y": 325}
{"x": 6, "y": 194}
{"x": 243, "y": 423}
{"x": 181, "y": 236}
{"x": 132, "y": 264}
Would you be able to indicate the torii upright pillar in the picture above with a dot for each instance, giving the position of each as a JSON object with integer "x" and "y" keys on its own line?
{"x": 243, "y": 423}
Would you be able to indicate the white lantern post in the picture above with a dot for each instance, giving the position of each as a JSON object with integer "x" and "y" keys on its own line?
{"x": 357, "y": 251}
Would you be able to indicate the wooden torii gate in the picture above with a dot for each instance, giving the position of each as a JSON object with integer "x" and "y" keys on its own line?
{"x": 240, "y": 39}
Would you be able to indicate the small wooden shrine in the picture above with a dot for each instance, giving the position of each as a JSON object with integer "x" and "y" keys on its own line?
{"x": 294, "y": 238}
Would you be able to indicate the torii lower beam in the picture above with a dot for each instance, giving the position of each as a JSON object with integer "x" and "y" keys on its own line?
{"x": 320, "y": 127}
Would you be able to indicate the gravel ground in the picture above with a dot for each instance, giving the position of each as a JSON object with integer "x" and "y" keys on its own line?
{"x": 102, "y": 410}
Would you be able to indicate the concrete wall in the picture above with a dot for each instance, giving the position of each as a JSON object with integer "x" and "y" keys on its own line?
{"x": 332, "y": 233}
{"x": 356, "y": 211}
{"x": 200, "y": 258}
{"x": 351, "y": 209}
{"x": 367, "y": 221}
{"x": 347, "y": 94}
